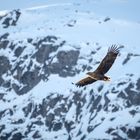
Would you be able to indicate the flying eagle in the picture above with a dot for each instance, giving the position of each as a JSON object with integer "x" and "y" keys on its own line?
{"x": 105, "y": 65}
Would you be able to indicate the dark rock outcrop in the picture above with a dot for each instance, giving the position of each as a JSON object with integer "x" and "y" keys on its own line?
{"x": 11, "y": 19}
{"x": 44, "y": 48}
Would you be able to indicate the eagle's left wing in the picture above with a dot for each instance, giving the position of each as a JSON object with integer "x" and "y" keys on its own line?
{"x": 85, "y": 81}
{"x": 108, "y": 60}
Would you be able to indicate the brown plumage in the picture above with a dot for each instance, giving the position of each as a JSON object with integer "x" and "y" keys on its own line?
{"x": 103, "y": 68}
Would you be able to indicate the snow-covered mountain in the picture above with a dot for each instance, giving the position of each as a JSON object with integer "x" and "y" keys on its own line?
{"x": 44, "y": 49}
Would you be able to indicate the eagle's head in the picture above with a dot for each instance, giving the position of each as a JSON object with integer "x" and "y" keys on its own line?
{"x": 107, "y": 78}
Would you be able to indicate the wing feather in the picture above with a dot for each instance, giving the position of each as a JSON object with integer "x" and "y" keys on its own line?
{"x": 85, "y": 81}
{"x": 108, "y": 60}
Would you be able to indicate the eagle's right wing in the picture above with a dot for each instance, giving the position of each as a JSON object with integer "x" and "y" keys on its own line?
{"x": 108, "y": 60}
{"x": 85, "y": 81}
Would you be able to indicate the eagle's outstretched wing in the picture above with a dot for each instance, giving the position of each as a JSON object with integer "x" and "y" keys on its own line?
{"x": 85, "y": 81}
{"x": 108, "y": 60}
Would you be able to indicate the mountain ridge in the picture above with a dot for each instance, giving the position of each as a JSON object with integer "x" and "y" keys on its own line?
{"x": 37, "y": 98}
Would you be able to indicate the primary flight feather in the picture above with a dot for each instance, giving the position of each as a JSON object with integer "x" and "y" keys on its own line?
{"x": 104, "y": 66}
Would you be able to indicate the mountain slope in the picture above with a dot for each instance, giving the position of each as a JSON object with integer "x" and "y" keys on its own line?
{"x": 41, "y": 57}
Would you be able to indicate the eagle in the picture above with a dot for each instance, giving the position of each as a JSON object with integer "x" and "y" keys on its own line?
{"x": 102, "y": 69}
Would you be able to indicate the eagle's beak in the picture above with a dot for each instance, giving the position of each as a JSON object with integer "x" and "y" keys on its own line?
{"x": 108, "y": 79}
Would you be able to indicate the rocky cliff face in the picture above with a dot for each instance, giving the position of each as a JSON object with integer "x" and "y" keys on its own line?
{"x": 38, "y": 100}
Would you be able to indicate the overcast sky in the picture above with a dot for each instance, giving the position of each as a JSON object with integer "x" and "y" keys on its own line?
{"x": 127, "y": 9}
{"x": 13, "y": 4}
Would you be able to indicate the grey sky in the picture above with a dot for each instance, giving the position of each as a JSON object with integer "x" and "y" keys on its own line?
{"x": 127, "y": 9}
